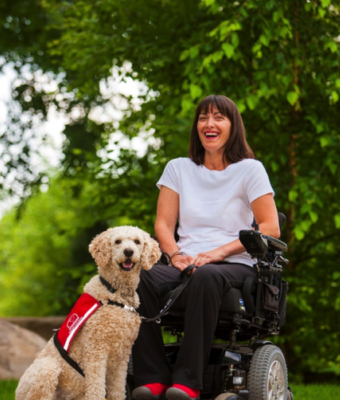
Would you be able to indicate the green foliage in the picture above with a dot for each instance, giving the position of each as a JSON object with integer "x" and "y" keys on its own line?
{"x": 43, "y": 255}
{"x": 279, "y": 61}
{"x": 7, "y": 389}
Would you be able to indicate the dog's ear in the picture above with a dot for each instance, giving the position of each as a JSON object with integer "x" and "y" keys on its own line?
{"x": 100, "y": 249}
{"x": 151, "y": 252}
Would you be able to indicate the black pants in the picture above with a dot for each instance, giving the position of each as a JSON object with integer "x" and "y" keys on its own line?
{"x": 202, "y": 298}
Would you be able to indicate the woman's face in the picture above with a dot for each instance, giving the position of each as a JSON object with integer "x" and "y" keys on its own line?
{"x": 213, "y": 130}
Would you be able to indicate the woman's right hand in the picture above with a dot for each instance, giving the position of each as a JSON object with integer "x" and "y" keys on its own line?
{"x": 181, "y": 262}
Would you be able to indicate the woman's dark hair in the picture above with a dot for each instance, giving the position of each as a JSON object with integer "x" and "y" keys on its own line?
{"x": 236, "y": 148}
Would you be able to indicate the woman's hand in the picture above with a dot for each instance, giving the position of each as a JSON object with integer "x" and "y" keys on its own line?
{"x": 180, "y": 262}
{"x": 210, "y": 257}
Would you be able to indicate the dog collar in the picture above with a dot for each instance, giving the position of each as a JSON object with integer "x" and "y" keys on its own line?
{"x": 107, "y": 285}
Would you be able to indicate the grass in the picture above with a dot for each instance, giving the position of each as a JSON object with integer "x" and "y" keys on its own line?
{"x": 7, "y": 389}
{"x": 300, "y": 392}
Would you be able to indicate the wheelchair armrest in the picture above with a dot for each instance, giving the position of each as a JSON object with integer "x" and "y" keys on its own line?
{"x": 257, "y": 244}
{"x": 275, "y": 244}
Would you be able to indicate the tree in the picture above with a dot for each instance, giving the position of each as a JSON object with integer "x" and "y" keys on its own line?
{"x": 278, "y": 61}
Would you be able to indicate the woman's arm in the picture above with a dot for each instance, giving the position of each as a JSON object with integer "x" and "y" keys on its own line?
{"x": 166, "y": 218}
{"x": 265, "y": 213}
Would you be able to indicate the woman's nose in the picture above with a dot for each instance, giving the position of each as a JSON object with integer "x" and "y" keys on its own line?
{"x": 210, "y": 122}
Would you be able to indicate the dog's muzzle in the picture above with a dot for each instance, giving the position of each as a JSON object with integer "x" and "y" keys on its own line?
{"x": 127, "y": 265}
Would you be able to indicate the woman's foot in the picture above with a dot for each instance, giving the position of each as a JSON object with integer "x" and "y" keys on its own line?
{"x": 151, "y": 391}
{"x": 181, "y": 392}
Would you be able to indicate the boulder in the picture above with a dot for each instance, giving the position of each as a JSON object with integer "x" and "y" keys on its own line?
{"x": 18, "y": 348}
{"x": 43, "y": 326}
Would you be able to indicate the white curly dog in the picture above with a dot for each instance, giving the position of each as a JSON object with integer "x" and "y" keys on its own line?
{"x": 103, "y": 344}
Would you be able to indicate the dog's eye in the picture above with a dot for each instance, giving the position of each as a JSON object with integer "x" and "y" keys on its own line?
{"x": 118, "y": 241}
{"x": 137, "y": 241}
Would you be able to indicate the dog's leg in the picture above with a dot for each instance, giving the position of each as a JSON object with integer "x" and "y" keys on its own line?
{"x": 95, "y": 374}
{"x": 40, "y": 380}
{"x": 116, "y": 379}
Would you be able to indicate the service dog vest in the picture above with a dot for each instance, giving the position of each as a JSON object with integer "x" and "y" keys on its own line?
{"x": 82, "y": 310}
{"x": 84, "y": 307}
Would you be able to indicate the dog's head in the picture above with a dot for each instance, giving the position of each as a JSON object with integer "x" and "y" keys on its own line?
{"x": 126, "y": 247}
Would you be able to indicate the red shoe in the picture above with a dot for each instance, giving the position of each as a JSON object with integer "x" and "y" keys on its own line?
{"x": 151, "y": 391}
{"x": 181, "y": 392}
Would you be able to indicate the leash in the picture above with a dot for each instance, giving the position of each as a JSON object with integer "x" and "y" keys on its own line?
{"x": 174, "y": 296}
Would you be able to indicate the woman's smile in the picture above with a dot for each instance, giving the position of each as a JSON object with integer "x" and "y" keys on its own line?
{"x": 211, "y": 135}
{"x": 213, "y": 130}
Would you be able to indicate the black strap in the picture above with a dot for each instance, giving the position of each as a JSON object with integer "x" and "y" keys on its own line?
{"x": 65, "y": 356}
{"x": 115, "y": 303}
{"x": 174, "y": 296}
{"x": 107, "y": 285}
{"x": 247, "y": 293}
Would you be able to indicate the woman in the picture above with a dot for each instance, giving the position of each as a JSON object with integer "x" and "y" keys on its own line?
{"x": 215, "y": 193}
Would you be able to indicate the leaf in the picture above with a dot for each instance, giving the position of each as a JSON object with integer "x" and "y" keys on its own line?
{"x": 235, "y": 40}
{"x": 292, "y": 98}
{"x": 228, "y": 49}
{"x": 264, "y": 40}
{"x": 252, "y": 101}
{"x": 337, "y": 83}
{"x": 336, "y": 275}
{"x": 321, "y": 12}
{"x": 313, "y": 216}
{"x": 292, "y": 195}
{"x": 194, "y": 51}
{"x": 209, "y": 2}
{"x": 337, "y": 221}
{"x": 325, "y": 3}
{"x": 184, "y": 55}
{"x": 324, "y": 141}
{"x": 335, "y": 97}
{"x": 195, "y": 91}
{"x": 332, "y": 167}
{"x": 275, "y": 166}
{"x": 299, "y": 233}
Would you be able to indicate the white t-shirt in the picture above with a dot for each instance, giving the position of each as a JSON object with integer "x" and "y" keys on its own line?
{"x": 214, "y": 205}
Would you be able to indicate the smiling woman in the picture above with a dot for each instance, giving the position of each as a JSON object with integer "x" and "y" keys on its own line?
{"x": 217, "y": 117}
{"x": 213, "y": 194}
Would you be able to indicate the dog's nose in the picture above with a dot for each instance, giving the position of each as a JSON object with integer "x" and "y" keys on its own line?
{"x": 128, "y": 252}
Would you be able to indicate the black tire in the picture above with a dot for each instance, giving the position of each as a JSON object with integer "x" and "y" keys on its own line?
{"x": 227, "y": 396}
{"x": 268, "y": 362}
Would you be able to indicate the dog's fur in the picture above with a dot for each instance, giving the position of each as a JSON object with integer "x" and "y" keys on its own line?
{"x": 103, "y": 345}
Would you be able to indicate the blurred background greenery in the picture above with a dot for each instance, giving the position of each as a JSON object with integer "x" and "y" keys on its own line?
{"x": 279, "y": 61}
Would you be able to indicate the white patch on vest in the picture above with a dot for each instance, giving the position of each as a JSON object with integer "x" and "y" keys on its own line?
{"x": 74, "y": 318}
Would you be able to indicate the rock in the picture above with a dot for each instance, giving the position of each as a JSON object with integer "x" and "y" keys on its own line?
{"x": 43, "y": 326}
{"x": 18, "y": 349}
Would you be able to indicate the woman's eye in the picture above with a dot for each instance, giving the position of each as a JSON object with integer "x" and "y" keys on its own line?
{"x": 118, "y": 241}
{"x": 137, "y": 241}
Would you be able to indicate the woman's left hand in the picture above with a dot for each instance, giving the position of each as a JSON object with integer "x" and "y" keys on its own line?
{"x": 209, "y": 257}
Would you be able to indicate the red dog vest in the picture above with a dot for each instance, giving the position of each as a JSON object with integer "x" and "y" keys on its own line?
{"x": 85, "y": 306}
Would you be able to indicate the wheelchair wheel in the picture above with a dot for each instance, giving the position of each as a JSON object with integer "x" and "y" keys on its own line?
{"x": 268, "y": 377}
{"x": 227, "y": 396}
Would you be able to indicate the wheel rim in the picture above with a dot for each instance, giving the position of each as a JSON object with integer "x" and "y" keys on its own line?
{"x": 276, "y": 382}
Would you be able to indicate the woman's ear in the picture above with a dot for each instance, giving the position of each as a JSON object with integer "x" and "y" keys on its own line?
{"x": 151, "y": 252}
{"x": 100, "y": 249}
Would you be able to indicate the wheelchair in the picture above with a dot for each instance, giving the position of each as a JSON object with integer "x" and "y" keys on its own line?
{"x": 242, "y": 364}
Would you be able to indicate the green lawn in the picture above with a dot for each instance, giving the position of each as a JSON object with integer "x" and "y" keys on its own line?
{"x": 7, "y": 389}
{"x": 301, "y": 392}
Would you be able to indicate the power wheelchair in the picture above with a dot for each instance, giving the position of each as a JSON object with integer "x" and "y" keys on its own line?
{"x": 243, "y": 366}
